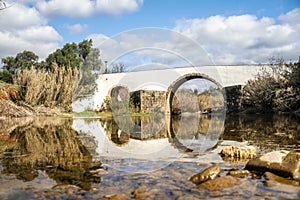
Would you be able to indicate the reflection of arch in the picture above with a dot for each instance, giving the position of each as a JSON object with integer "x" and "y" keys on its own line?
{"x": 169, "y": 100}
{"x": 214, "y": 132}
{"x": 177, "y": 83}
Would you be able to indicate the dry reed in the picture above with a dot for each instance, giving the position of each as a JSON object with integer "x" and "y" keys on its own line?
{"x": 49, "y": 88}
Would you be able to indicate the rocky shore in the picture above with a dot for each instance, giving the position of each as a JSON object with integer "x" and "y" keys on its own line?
{"x": 277, "y": 167}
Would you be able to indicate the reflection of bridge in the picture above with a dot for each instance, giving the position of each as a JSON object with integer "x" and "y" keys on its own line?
{"x": 168, "y": 80}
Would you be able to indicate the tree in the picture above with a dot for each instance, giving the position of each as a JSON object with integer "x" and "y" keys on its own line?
{"x": 84, "y": 48}
{"x": 87, "y": 79}
{"x": 9, "y": 64}
{"x": 6, "y": 76}
{"x": 117, "y": 68}
{"x": 67, "y": 56}
{"x": 92, "y": 60}
{"x": 275, "y": 91}
{"x": 25, "y": 59}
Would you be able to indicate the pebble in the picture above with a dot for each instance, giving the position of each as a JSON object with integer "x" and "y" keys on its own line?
{"x": 207, "y": 174}
{"x": 240, "y": 173}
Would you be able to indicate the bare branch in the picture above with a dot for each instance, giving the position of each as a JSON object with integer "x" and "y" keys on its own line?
{"x": 2, "y": 5}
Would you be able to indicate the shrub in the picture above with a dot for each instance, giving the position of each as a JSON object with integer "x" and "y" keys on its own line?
{"x": 275, "y": 89}
{"x": 5, "y": 76}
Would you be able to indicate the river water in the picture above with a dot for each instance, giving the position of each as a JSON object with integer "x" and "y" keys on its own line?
{"x": 148, "y": 157}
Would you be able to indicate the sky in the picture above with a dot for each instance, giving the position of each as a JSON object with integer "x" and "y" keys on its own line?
{"x": 228, "y": 32}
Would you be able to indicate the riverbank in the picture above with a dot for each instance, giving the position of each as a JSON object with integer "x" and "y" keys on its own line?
{"x": 12, "y": 105}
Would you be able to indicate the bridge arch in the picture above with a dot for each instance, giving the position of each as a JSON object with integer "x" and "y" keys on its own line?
{"x": 181, "y": 80}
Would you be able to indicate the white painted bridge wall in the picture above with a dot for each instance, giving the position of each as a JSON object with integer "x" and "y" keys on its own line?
{"x": 162, "y": 79}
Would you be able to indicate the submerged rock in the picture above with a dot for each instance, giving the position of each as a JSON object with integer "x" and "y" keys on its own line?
{"x": 143, "y": 193}
{"x": 220, "y": 183}
{"x": 241, "y": 173}
{"x": 272, "y": 180}
{"x": 246, "y": 152}
{"x": 282, "y": 163}
{"x": 209, "y": 173}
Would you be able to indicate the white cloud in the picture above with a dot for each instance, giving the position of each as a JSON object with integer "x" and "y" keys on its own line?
{"x": 72, "y": 8}
{"x": 19, "y": 16}
{"x": 292, "y": 17}
{"x": 118, "y": 7}
{"x": 85, "y": 8}
{"x": 23, "y": 28}
{"x": 13, "y": 43}
{"x": 245, "y": 38}
{"x": 76, "y": 28}
{"x": 151, "y": 45}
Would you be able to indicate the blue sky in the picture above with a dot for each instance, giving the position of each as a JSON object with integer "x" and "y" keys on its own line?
{"x": 230, "y": 31}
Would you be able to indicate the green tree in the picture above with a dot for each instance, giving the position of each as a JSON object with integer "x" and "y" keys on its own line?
{"x": 25, "y": 59}
{"x": 6, "y": 76}
{"x": 84, "y": 48}
{"x": 67, "y": 56}
{"x": 9, "y": 64}
{"x": 92, "y": 60}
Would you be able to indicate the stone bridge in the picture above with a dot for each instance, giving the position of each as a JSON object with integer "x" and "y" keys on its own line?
{"x": 164, "y": 81}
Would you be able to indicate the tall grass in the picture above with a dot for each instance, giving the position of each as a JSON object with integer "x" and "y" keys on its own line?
{"x": 52, "y": 88}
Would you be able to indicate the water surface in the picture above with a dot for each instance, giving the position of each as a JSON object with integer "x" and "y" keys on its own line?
{"x": 152, "y": 156}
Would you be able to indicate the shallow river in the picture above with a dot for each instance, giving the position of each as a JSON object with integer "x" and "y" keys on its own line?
{"x": 149, "y": 157}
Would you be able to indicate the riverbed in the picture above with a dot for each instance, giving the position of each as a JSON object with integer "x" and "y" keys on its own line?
{"x": 147, "y": 157}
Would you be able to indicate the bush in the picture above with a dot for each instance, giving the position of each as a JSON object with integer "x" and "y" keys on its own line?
{"x": 5, "y": 76}
{"x": 275, "y": 89}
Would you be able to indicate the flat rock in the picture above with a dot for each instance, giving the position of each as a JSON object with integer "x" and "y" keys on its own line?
{"x": 209, "y": 173}
{"x": 282, "y": 163}
{"x": 273, "y": 180}
{"x": 245, "y": 152}
{"x": 220, "y": 183}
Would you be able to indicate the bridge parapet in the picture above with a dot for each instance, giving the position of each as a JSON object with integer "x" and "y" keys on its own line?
{"x": 161, "y": 80}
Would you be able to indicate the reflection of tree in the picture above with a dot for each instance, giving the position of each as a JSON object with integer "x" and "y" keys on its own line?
{"x": 182, "y": 129}
{"x": 268, "y": 132}
{"x": 53, "y": 148}
{"x": 120, "y": 129}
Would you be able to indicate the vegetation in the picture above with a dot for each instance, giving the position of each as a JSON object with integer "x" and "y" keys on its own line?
{"x": 49, "y": 89}
{"x": 188, "y": 100}
{"x": 65, "y": 75}
{"x": 275, "y": 90}
{"x": 23, "y": 60}
{"x": 5, "y": 76}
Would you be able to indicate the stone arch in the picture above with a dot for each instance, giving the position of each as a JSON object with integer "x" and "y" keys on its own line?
{"x": 118, "y": 89}
{"x": 169, "y": 99}
{"x": 117, "y": 93}
{"x": 179, "y": 81}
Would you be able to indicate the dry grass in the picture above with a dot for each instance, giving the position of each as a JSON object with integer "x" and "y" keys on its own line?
{"x": 49, "y": 88}
{"x": 9, "y": 92}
